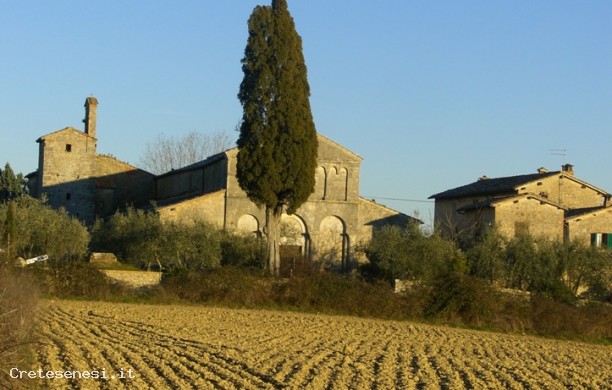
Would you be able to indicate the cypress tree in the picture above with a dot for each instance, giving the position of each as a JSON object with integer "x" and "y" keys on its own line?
{"x": 277, "y": 146}
{"x": 10, "y": 229}
{"x": 11, "y": 185}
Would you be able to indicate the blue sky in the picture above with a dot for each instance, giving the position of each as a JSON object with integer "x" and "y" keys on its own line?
{"x": 432, "y": 94}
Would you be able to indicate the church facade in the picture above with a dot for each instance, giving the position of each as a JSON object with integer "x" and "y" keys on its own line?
{"x": 327, "y": 227}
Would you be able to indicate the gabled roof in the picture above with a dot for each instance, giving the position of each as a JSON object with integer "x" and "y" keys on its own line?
{"x": 334, "y": 143}
{"x": 198, "y": 165}
{"x": 220, "y": 156}
{"x": 492, "y": 202}
{"x": 64, "y": 130}
{"x": 584, "y": 212}
{"x": 492, "y": 187}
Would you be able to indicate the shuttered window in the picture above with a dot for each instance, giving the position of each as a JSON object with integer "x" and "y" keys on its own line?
{"x": 602, "y": 240}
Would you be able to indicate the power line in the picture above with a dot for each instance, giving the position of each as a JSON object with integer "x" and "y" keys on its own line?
{"x": 399, "y": 199}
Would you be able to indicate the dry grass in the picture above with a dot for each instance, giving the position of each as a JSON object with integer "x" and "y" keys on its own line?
{"x": 18, "y": 299}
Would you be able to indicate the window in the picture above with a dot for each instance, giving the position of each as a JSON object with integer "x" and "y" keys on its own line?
{"x": 68, "y": 196}
{"x": 68, "y": 148}
{"x": 601, "y": 240}
{"x": 521, "y": 228}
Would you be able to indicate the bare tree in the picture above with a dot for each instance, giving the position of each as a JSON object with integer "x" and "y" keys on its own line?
{"x": 168, "y": 152}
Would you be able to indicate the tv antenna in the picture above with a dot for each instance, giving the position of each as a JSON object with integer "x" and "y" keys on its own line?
{"x": 562, "y": 153}
{"x": 559, "y": 152}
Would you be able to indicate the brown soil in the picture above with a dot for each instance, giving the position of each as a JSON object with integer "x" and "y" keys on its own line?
{"x": 188, "y": 347}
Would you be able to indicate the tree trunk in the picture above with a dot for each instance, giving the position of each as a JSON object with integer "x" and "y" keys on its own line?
{"x": 273, "y": 217}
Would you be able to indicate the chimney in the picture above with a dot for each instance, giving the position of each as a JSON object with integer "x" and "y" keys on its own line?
{"x": 91, "y": 104}
{"x": 483, "y": 178}
{"x": 568, "y": 169}
{"x": 542, "y": 170}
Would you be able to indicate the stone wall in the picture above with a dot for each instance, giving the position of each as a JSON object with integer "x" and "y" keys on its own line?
{"x": 567, "y": 191}
{"x": 66, "y": 166}
{"x": 529, "y": 215}
{"x": 134, "y": 279}
{"x": 208, "y": 207}
{"x": 580, "y": 228}
{"x": 119, "y": 184}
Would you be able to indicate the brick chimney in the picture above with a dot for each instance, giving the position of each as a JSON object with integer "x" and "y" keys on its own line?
{"x": 91, "y": 105}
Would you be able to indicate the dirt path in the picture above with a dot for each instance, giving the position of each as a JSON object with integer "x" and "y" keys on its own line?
{"x": 180, "y": 347}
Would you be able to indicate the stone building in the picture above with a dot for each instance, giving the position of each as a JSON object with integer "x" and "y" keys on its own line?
{"x": 88, "y": 185}
{"x": 327, "y": 227}
{"x": 557, "y": 205}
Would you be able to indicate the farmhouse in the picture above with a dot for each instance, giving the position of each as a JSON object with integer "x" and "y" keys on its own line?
{"x": 557, "y": 205}
{"x": 327, "y": 227}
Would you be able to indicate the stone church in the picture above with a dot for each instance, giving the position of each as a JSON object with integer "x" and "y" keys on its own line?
{"x": 327, "y": 227}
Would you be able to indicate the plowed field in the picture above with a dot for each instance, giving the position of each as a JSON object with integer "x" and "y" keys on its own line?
{"x": 182, "y": 347}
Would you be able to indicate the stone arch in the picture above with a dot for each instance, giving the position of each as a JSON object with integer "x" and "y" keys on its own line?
{"x": 320, "y": 183}
{"x": 292, "y": 230}
{"x": 332, "y": 245}
{"x": 343, "y": 183}
{"x": 294, "y": 243}
{"x": 248, "y": 223}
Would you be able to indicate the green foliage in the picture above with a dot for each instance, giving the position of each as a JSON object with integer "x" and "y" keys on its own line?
{"x": 141, "y": 239}
{"x": 535, "y": 265}
{"x": 555, "y": 269}
{"x": 75, "y": 278}
{"x": 278, "y": 142}
{"x": 405, "y": 253}
{"x": 277, "y": 146}
{"x": 464, "y": 299}
{"x": 486, "y": 257}
{"x": 586, "y": 266}
{"x": 38, "y": 229}
{"x": 243, "y": 251}
{"x": 11, "y": 185}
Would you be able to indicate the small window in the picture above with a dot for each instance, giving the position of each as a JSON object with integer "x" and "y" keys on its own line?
{"x": 69, "y": 148}
{"x": 521, "y": 228}
{"x": 68, "y": 196}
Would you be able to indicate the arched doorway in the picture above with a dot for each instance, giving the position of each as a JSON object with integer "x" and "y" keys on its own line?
{"x": 294, "y": 244}
{"x": 247, "y": 223}
{"x": 332, "y": 245}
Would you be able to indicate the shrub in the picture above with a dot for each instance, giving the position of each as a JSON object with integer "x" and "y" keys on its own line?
{"x": 405, "y": 253}
{"x": 552, "y": 318}
{"x": 486, "y": 257}
{"x": 75, "y": 278}
{"x": 34, "y": 229}
{"x": 228, "y": 285}
{"x": 463, "y": 299}
{"x": 243, "y": 251}
{"x": 140, "y": 238}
